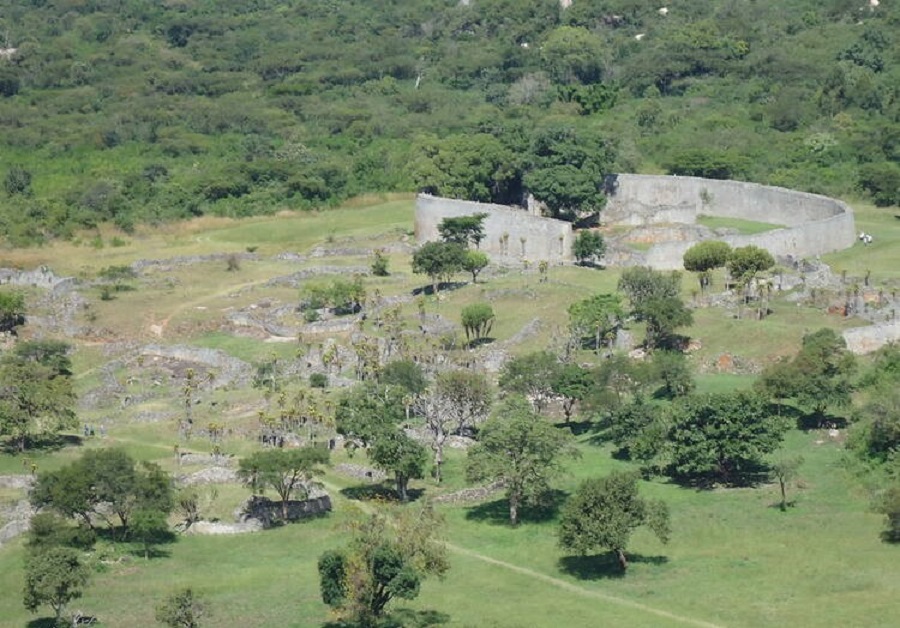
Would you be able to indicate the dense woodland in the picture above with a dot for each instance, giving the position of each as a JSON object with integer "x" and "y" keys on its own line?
{"x": 134, "y": 110}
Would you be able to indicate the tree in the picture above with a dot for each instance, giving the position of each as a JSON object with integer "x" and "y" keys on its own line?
{"x": 286, "y": 471}
{"x": 438, "y": 260}
{"x": 49, "y": 529}
{"x": 103, "y": 483}
{"x": 641, "y": 284}
{"x": 572, "y": 382}
{"x": 672, "y": 370}
{"x": 380, "y": 264}
{"x": 784, "y": 470}
{"x": 530, "y": 375}
{"x": 569, "y": 192}
{"x": 17, "y": 181}
{"x": 149, "y": 528}
{"x": 520, "y": 450}
{"x": 36, "y": 394}
{"x": 662, "y": 317}
{"x": 397, "y": 453}
{"x": 475, "y": 167}
{"x": 604, "y": 512}
{"x": 371, "y": 416}
{"x": 474, "y": 262}
{"x": 9, "y": 82}
{"x": 600, "y": 316}
{"x": 182, "y": 609}
{"x": 817, "y": 378}
{"x": 573, "y": 54}
{"x": 54, "y": 577}
{"x": 588, "y": 246}
{"x": 746, "y": 262}
{"x": 637, "y": 429}
{"x": 704, "y": 257}
{"x": 889, "y": 506}
{"x": 458, "y": 401}
{"x": 721, "y": 435}
{"x": 406, "y": 374}
{"x": 477, "y": 320}
{"x": 383, "y": 561}
{"x": 12, "y": 311}
{"x": 882, "y": 181}
{"x": 463, "y": 229}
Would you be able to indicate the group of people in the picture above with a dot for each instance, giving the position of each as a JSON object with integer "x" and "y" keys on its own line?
{"x": 865, "y": 238}
{"x": 88, "y": 430}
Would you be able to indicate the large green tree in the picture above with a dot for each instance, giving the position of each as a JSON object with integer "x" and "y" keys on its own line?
{"x": 457, "y": 402}
{"x": 818, "y": 378}
{"x": 463, "y": 230}
{"x": 102, "y": 484}
{"x": 597, "y": 317}
{"x": 383, "y": 561}
{"x": 12, "y": 311}
{"x": 704, "y": 257}
{"x": 372, "y": 417}
{"x": 530, "y": 375}
{"x": 721, "y": 436}
{"x": 603, "y": 513}
{"x": 286, "y": 471}
{"x": 54, "y": 577}
{"x": 588, "y": 246}
{"x": 521, "y": 450}
{"x": 475, "y": 167}
{"x": 438, "y": 260}
{"x": 36, "y": 394}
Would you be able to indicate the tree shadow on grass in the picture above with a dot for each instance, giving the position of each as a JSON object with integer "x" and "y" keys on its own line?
{"x": 42, "y": 622}
{"x": 442, "y": 287}
{"x": 47, "y": 443}
{"x": 478, "y": 342}
{"x": 497, "y": 512}
{"x": 602, "y": 566}
{"x": 379, "y": 492}
{"x": 578, "y": 427}
{"x": 747, "y": 478}
{"x": 399, "y": 618}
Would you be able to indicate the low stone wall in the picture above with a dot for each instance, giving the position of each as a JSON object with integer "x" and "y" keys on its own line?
{"x": 268, "y": 512}
{"x": 813, "y": 224}
{"x": 511, "y": 233}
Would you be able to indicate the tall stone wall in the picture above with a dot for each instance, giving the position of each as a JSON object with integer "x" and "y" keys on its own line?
{"x": 813, "y": 224}
{"x": 511, "y": 233}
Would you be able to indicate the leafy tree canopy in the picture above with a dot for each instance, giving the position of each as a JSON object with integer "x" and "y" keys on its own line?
{"x": 522, "y": 450}
{"x": 603, "y": 513}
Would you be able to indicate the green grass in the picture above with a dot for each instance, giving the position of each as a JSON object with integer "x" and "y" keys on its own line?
{"x": 882, "y": 257}
{"x": 733, "y": 559}
{"x": 742, "y": 226}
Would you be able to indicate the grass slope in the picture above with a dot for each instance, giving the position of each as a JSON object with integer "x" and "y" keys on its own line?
{"x": 734, "y": 559}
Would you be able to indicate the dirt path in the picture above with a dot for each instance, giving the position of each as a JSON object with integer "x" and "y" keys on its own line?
{"x": 556, "y": 582}
{"x": 574, "y": 588}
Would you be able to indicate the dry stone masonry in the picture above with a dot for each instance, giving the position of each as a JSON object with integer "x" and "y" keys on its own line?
{"x": 668, "y": 209}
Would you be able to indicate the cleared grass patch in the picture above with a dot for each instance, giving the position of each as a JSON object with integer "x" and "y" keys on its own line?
{"x": 742, "y": 226}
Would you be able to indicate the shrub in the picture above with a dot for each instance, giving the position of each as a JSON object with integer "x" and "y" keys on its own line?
{"x": 318, "y": 380}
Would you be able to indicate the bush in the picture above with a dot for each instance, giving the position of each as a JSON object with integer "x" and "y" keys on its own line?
{"x": 380, "y": 265}
{"x": 318, "y": 380}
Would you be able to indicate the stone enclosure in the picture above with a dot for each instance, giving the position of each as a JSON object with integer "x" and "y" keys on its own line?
{"x": 665, "y": 210}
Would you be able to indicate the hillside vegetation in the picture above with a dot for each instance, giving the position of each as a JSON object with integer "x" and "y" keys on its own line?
{"x": 141, "y": 362}
{"x": 137, "y": 111}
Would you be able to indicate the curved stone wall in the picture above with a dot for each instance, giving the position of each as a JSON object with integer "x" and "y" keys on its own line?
{"x": 813, "y": 224}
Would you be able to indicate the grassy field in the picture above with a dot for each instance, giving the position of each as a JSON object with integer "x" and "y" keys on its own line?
{"x": 742, "y": 226}
{"x": 733, "y": 560}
